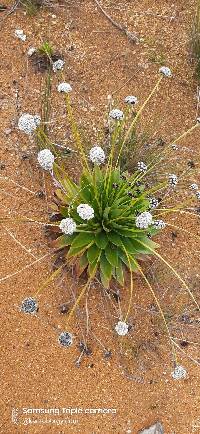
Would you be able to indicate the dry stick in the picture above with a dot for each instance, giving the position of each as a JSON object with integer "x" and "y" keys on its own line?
{"x": 24, "y": 268}
{"x": 18, "y": 242}
{"x": 130, "y": 35}
{"x": 11, "y": 10}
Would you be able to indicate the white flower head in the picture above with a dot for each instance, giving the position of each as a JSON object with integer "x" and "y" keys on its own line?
{"x": 159, "y": 224}
{"x": 198, "y": 194}
{"x": 31, "y": 51}
{"x": 64, "y": 87}
{"x": 29, "y": 305}
{"x": 65, "y": 339}
{"x": 165, "y": 71}
{"x": 116, "y": 114}
{"x": 85, "y": 211}
{"x": 131, "y": 99}
{"x": 20, "y": 34}
{"x": 143, "y": 220}
{"x": 179, "y": 373}
{"x": 173, "y": 179}
{"x": 97, "y": 155}
{"x": 58, "y": 65}
{"x": 28, "y": 123}
{"x": 67, "y": 226}
{"x": 46, "y": 159}
{"x": 142, "y": 167}
{"x": 194, "y": 187}
{"x": 121, "y": 328}
{"x": 153, "y": 202}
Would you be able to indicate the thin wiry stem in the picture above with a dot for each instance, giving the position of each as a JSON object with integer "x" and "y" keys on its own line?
{"x": 18, "y": 242}
{"x": 49, "y": 280}
{"x": 2, "y": 279}
{"x": 159, "y": 307}
{"x": 136, "y": 118}
{"x": 173, "y": 270}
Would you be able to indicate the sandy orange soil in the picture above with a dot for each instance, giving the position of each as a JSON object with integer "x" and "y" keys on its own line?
{"x": 36, "y": 372}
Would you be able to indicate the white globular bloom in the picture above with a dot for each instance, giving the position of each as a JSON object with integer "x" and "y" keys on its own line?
{"x": 131, "y": 99}
{"x": 143, "y": 220}
{"x": 159, "y": 224}
{"x": 179, "y": 373}
{"x": 46, "y": 159}
{"x": 97, "y": 155}
{"x": 67, "y": 226}
{"x": 194, "y": 187}
{"x": 85, "y": 211}
{"x": 65, "y": 339}
{"x": 31, "y": 51}
{"x": 165, "y": 71}
{"x": 116, "y": 114}
{"x": 64, "y": 87}
{"x": 121, "y": 328}
{"x": 153, "y": 202}
{"x": 58, "y": 65}
{"x": 20, "y": 34}
{"x": 173, "y": 179}
{"x": 198, "y": 194}
{"x": 142, "y": 167}
{"x": 28, "y": 123}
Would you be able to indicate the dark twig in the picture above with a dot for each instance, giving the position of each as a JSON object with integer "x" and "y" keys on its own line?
{"x": 10, "y": 11}
{"x": 131, "y": 36}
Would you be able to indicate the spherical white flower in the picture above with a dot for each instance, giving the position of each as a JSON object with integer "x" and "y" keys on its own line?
{"x": 29, "y": 305}
{"x": 143, "y": 220}
{"x": 153, "y": 202}
{"x": 194, "y": 187}
{"x": 46, "y": 159}
{"x": 198, "y": 194}
{"x": 64, "y": 87}
{"x": 142, "y": 167}
{"x": 31, "y": 51}
{"x": 28, "y": 123}
{"x": 116, "y": 114}
{"x": 97, "y": 155}
{"x": 173, "y": 179}
{"x": 165, "y": 71}
{"x": 85, "y": 211}
{"x": 130, "y": 99}
{"x": 159, "y": 224}
{"x": 58, "y": 65}
{"x": 65, "y": 339}
{"x": 20, "y": 34}
{"x": 121, "y": 328}
{"x": 179, "y": 373}
{"x": 67, "y": 226}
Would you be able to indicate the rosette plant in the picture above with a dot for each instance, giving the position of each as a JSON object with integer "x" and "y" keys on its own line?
{"x": 111, "y": 241}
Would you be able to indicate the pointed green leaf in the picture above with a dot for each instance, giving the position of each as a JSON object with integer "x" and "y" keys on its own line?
{"x": 101, "y": 240}
{"x": 120, "y": 273}
{"x": 82, "y": 239}
{"x": 104, "y": 280}
{"x": 114, "y": 238}
{"x": 63, "y": 241}
{"x": 93, "y": 266}
{"x": 105, "y": 266}
{"x": 111, "y": 255}
{"x": 92, "y": 253}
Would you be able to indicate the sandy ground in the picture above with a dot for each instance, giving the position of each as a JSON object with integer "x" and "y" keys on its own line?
{"x": 36, "y": 372}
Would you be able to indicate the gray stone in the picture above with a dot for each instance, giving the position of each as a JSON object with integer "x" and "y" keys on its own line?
{"x": 154, "y": 429}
